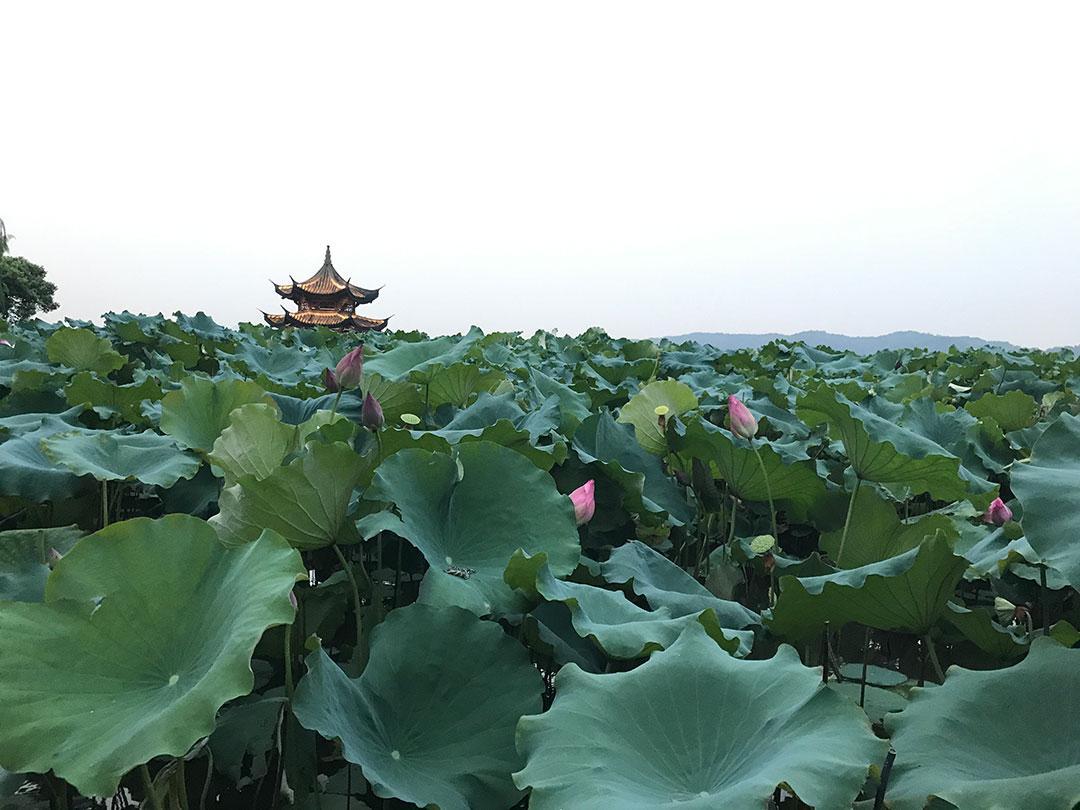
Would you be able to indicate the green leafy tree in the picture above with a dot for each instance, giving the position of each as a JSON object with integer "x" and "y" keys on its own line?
{"x": 24, "y": 290}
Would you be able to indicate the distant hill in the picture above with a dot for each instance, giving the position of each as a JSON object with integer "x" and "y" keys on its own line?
{"x": 861, "y": 345}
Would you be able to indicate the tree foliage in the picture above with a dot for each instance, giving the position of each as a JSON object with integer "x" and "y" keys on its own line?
{"x": 24, "y": 290}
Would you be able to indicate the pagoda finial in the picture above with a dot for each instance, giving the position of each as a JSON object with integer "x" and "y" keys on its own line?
{"x": 328, "y": 254}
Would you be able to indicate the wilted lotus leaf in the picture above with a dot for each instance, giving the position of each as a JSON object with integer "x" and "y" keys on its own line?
{"x": 431, "y": 720}
{"x": 996, "y": 739}
{"x": 147, "y": 629}
{"x": 695, "y": 729}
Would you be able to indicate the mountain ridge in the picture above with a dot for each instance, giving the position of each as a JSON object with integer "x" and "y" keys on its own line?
{"x": 861, "y": 344}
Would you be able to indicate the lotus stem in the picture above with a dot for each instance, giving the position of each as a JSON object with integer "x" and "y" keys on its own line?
{"x": 1044, "y": 608}
{"x": 930, "y": 649}
{"x": 104, "y": 504}
{"x": 288, "y": 663}
{"x": 847, "y": 521}
{"x": 883, "y": 785}
{"x": 209, "y": 777}
{"x": 768, "y": 490}
{"x": 180, "y": 780}
{"x": 355, "y": 595}
{"x": 865, "y": 666}
{"x": 337, "y": 399}
{"x": 378, "y": 444}
{"x": 148, "y": 788}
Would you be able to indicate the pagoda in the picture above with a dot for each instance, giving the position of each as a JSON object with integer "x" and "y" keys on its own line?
{"x": 326, "y": 299}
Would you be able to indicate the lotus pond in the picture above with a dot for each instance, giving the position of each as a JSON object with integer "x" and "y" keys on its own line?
{"x": 789, "y": 577}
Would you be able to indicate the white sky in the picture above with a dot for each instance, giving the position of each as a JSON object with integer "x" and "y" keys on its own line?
{"x": 652, "y": 168}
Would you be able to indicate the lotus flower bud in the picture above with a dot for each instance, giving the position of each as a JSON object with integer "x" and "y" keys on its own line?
{"x": 371, "y": 415}
{"x": 6, "y": 342}
{"x": 584, "y": 501}
{"x": 292, "y": 600}
{"x": 53, "y": 557}
{"x": 997, "y": 513}
{"x": 350, "y": 369}
{"x": 743, "y": 422}
{"x": 330, "y": 381}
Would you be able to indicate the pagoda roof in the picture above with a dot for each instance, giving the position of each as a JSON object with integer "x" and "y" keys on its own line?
{"x": 343, "y": 321}
{"x": 327, "y": 282}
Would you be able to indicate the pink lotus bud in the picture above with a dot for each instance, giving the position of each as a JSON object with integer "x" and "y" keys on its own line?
{"x": 8, "y": 343}
{"x": 584, "y": 501}
{"x": 350, "y": 368}
{"x": 53, "y": 557}
{"x": 742, "y": 421}
{"x": 371, "y": 415}
{"x": 997, "y": 513}
{"x": 330, "y": 381}
{"x": 292, "y": 600}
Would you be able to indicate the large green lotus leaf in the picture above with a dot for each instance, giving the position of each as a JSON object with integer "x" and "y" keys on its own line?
{"x": 82, "y": 350}
{"x": 1012, "y": 411}
{"x": 497, "y": 419}
{"x": 244, "y": 735}
{"x": 306, "y": 501}
{"x": 26, "y": 471}
{"x": 876, "y": 532}
{"x": 108, "y": 399}
{"x": 24, "y": 560}
{"x": 574, "y": 407}
{"x": 197, "y": 414}
{"x": 395, "y": 397}
{"x": 979, "y": 445}
{"x": 880, "y": 450}
{"x": 423, "y": 359}
{"x": 147, "y": 629}
{"x": 621, "y": 629}
{"x": 110, "y": 455}
{"x": 664, "y": 584}
{"x": 255, "y": 443}
{"x": 736, "y": 463}
{"x": 1002, "y": 739}
{"x": 458, "y": 383}
{"x": 978, "y": 627}
{"x": 1049, "y": 490}
{"x": 640, "y": 411}
{"x": 431, "y": 721}
{"x": 640, "y": 475}
{"x": 695, "y": 729}
{"x": 470, "y": 513}
{"x": 906, "y": 592}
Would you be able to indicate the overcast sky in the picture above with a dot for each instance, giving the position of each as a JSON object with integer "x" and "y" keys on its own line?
{"x": 651, "y": 168}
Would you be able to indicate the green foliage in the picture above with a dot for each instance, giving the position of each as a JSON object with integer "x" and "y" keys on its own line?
{"x": 467, "y": 644}
{"x": 24, "y": 290}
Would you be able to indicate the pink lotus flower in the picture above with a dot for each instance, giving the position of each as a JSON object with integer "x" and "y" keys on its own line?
{"x": 350, "y": 369}
{"x": 742, "y": 421}
{"x": 6, "y": 342}
{"x": 997, "y": 513}
{"x": 584, "y": 501}
{"x": 371, "y": 415}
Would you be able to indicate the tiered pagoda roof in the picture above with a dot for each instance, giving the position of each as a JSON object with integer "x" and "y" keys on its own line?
{"x": 326, "y": 299}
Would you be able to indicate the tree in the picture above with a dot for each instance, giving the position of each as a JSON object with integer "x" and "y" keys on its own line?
{"x": 24, "y": 290}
